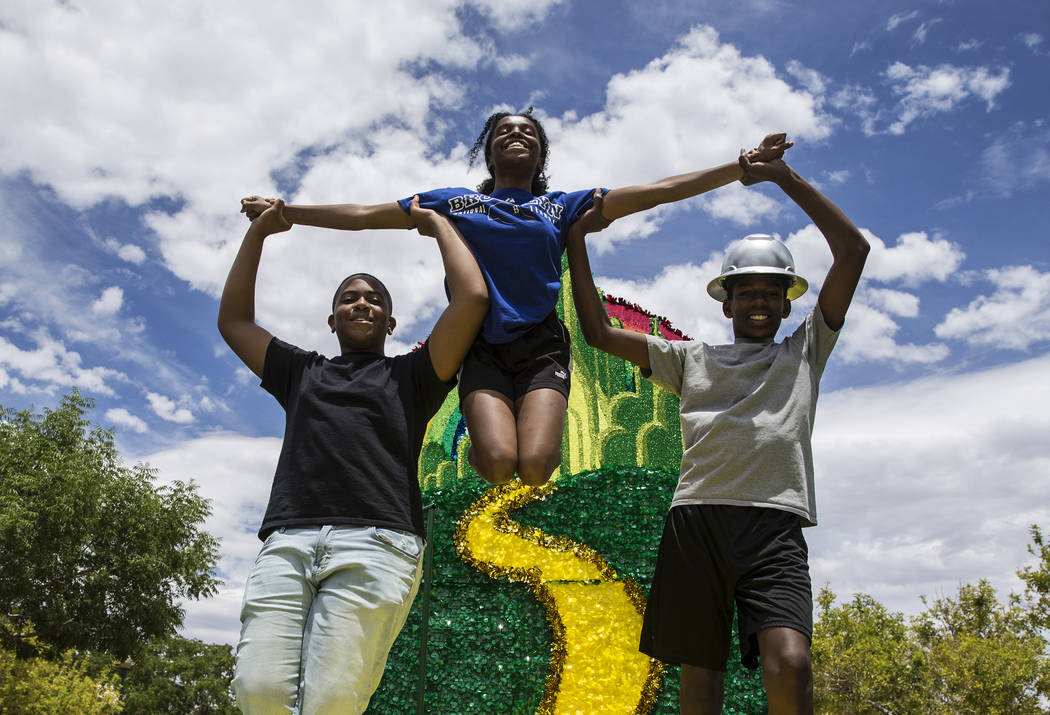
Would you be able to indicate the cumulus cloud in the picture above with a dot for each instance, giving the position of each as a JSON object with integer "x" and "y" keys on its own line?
{"x": 925, "y": 91}
{"x": 122, "y": 418}
{"x": 1015, "y": 316}
{"x": 165, "y": 408}
{"x": 654, "y": 116}
{"x": 49, "y": 367}
{"x": 126, "y": 251}
{"x": 926, "y": 484}
{"x": 109, "y": 302}
{"x": 880, "y": 302}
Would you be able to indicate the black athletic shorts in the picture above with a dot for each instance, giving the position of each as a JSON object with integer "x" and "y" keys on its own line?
{"x": 539, "y": 358}
{"x": 713, "y": 557}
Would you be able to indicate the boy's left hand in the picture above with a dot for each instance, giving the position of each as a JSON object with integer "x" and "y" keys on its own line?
{"x": 592, "y": 220}
{"x": 425, "y": 219}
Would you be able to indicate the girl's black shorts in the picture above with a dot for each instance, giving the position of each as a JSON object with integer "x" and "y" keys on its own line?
{"x": 540, "y": 358}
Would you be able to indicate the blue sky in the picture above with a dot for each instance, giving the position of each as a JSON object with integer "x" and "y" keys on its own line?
{"x": 131, "y": 131}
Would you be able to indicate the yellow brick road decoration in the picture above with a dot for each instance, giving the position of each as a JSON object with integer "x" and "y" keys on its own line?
{"x": 596, "y": 618}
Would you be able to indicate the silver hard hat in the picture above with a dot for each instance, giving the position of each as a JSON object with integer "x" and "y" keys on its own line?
{"x": 757, "y": 253}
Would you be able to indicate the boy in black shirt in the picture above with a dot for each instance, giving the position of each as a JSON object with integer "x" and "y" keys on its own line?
{"x": 342, "y": 552}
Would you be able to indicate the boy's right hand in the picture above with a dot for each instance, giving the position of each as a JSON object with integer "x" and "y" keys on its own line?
{"x": 270, "y": 219}
{"x": 592, "y": 220}
{"x": 425, "y": 219}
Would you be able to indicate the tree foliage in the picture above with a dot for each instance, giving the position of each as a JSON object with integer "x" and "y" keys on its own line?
{"x": 181, "y": 676}
{"x": 94, "y": 555}
{"x": 57, "y": 686}
{"x": 966, "y": 654}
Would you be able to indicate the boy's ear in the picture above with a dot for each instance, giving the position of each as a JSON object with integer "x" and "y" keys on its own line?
{"x": 726, "y": 310}
{"x": 331, "y": 322}
{"x": 391, "y": 323}
{"x": 787, "y": 308}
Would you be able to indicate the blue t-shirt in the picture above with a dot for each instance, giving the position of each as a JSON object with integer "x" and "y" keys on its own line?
{"x": 518, "y": 240}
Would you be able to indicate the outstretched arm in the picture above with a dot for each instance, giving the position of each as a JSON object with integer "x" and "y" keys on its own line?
{"x": 349, "y": 217}
{"x": 458, "y": 325}
{"x": 632, "y": 199}
{"x": 594, "y": 322}
{"x": 237, "y": 306}
{"x": 849, "y": 249}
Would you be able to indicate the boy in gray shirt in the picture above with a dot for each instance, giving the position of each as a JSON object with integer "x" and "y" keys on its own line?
{"x": 732, "y": 539}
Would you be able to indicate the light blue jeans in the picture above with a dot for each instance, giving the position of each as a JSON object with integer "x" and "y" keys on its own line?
{"x": 322, "y": 607}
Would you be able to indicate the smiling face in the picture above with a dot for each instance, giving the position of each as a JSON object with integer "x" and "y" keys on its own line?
{"x": 360, "y": 315}
{"x": 756, "y": 304}
{"x": 514, "y": 143}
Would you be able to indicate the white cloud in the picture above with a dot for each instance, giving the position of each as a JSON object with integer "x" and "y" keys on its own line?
{"x": 129, "y": 117}
{"x": 1016, "y": 160}
{"x": 125, "y": 251}
{"x": 165, "y": 408}
{"x": 50, "y": 367}
{"x": 814, "y": 82}
{"x": 926, "y": 484}
{"x": 131, "y": 253}
{"x": 925, "y": 91}
{"x": 510, "y": 15}
{"x": 900, "y": 18}
{"x": 512, "y": 63}
{"x": 915, "y": 259}
{"x": 1016, "y": 316}
{"x": 869, "y": 337}
{"x": 109, "y": 302}
{"x": 894, "y": 302}
{"x": 968, "y": 45}
{"x": 860, "y": 47}
{"x": 871, "y": 327}
{"x": 1032, "y": 40}
{"x": 656, "y": 115}
{"x": 919, "y": 36}
{"x": 122, "y": 418}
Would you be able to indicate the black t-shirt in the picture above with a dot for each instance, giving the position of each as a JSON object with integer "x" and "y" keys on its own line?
{"x": 354, "y": 426}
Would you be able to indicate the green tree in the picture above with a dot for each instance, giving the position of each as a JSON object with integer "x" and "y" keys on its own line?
{"x": 94, "y": 555}
{"x": 865, "y": 660}
{"x": 182, "y": 676}
{"x": 965, "y": 654}
{"x": 57, "y": 686}
{"x": 982, "y": 655}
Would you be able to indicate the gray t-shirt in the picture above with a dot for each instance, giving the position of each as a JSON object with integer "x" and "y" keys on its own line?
{"x": 747, "y": 416}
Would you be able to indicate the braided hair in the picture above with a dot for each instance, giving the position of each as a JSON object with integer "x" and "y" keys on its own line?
{"x": 484, "y": 140}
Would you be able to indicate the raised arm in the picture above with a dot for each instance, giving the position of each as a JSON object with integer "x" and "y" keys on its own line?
{"x": 348, "y": 217}
{"x": 632, "y": 199}
{"x": 458, "y": 325}
{"x": 237, "y": 306}
{"x": 849, "y": 249}
{"x": 594, "y": 322}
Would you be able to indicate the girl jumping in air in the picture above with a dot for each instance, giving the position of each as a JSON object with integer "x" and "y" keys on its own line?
{"x": 514, "y": 384}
